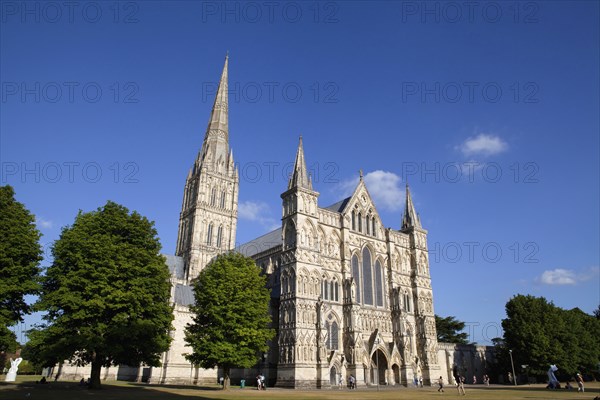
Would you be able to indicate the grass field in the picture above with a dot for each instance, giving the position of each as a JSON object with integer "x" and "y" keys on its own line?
{"x": 26, "y": 388}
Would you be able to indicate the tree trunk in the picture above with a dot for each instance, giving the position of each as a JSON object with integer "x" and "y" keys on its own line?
{"x": 226, "y": 378}
{"x": 95, "y": 374}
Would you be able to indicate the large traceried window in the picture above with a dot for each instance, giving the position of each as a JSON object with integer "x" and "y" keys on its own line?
{"x": 356, "y": 276}
{"x": 367, "y": 275}
{"x": 378, "y": 284}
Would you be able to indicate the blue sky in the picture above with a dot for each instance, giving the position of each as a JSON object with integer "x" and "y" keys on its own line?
{"x": 488, "y": 109}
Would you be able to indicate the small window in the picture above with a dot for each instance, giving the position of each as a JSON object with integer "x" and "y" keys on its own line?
{"x": 209, "y": 235}
{"x": 213, "y": 196}
{"x": 219, "y": 235}
{"x": 368, "y": 226}
{"x": 353, "y": 220}
{"x": 360, "y": 222}
{"x": 374, "y": 226}
{"x": 223, "y": 198}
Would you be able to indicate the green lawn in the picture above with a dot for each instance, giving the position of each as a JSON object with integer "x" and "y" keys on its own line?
{"x": 26, "y": 388}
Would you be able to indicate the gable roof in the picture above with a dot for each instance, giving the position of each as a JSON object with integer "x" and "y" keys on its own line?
{"x": 339, "y": 206}
{"x": 261, "y": 243}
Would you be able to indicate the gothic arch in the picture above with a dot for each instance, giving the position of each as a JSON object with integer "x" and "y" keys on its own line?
{"x": 367, "y": 267}
{"x": 289, "y": 234}
{"x": 311, "y": 234}
{"x": 356, "y": 274}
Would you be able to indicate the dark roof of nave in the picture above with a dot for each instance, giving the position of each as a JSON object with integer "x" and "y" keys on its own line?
{"x": 273, "y": 238}
{"x": 184, "y": 295}
{"x": 339, "y": 206}
{"x": 261, "y": 243}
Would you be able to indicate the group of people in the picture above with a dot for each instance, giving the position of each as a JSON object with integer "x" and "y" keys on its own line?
{"x": 418, "y": 381}
{"x": 579, "y": 380}
{"x": 460, "y": 384}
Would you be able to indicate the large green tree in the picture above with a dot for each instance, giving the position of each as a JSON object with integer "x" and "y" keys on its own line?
{"x": 231, "y": 323}
{"x": 20, "y": 254}
{"x": 106, "y": 294}
{"x": 449, "y": 330}
{"x": 541, "y": 334}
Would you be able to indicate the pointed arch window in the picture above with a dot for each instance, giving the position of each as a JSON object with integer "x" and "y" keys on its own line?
{"x": 332, "y": 335}
{"x": 367, "y": 275}
{"x": 223, "y": 198}
{"x": 368, "y": 226}
{"x": 356, "y": 276}
{"x": 353, "y": 220}
{"x": 219, "y": 236}
{"x": 209, "y": 235}
{"x": 378, "y": 284}
{"x": 373, "y": 227}
{"x": 213, "y": 196}
{"x": 336, "y": 288}
{"x": 360, "y": 222}
{"x": 406, "y": 301}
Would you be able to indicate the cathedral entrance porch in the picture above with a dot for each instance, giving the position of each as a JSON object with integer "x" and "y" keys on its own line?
{"x": 379, "y": 367}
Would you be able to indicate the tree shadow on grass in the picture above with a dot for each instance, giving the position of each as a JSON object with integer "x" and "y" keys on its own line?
{"x": 62, "y": 390}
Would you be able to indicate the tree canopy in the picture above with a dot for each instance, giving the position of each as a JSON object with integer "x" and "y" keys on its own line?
{"x": 541, "y": 334}
{"x": 449, "y": 330}
{"x": 106, "y": 294}
{"x": 231, "y": 322}
{"x": 20, "y": 255}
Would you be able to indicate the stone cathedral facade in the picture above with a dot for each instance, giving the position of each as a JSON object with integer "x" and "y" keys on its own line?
{"x": 348, "y": 295}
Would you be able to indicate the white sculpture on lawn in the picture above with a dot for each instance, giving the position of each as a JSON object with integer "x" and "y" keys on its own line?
{"x": 11, "y": 376}
{"x": 553, "y": 382}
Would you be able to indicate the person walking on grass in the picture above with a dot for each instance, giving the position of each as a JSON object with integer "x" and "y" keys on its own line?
{"x": 441, "y": 385}
{"x": 579, "y": 380}
{"x": 461, "y": 385}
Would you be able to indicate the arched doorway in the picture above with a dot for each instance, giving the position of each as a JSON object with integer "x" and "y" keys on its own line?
{"x": 380, "y": 366}
{"x": 333, "y": 376}
{"x": 396, "y": 370}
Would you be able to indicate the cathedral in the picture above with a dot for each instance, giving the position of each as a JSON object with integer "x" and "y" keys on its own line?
{"x": 349, "y": 297}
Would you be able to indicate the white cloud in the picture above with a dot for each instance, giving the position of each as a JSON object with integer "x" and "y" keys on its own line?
{"x": 257, "y": 211}
{"x": 561, "y": 276}
{"x": 558, "y": 276}
{"x": 385, "y": 189}
{"x": 44, "y": 223}
{"x": 483, "y": 144}
{"x": 383, "y": 186}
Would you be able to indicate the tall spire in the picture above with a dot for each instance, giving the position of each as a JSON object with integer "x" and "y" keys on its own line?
{"x": 215, "y": 148}
{"x": 300, "y": 176}
{"x": 410, "y": 219}
{"x": 219, "y": 120}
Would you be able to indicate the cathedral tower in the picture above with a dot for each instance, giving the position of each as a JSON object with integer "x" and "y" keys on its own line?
{"x": 300, "y": 337}
{"x": 425, "y": 330}
{"x": 208, "y": 218}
